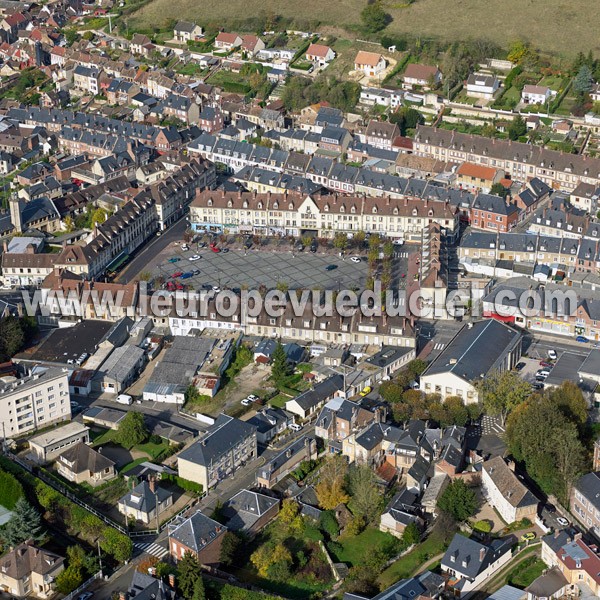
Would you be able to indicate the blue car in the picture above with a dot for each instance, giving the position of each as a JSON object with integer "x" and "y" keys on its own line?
{"x": 187, "y": 275}
{"x": 582, "y": 339}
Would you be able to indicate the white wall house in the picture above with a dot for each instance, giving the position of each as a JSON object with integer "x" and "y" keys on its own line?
{"x": 482, "y": 86}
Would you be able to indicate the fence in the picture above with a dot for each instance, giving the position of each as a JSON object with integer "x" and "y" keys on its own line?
{"x": 82, "y": 587}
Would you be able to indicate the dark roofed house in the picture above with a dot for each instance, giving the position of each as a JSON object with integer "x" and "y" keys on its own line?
{"x": 549, "y": 585}
{"x": 83, "y": 464}
{"x": 249, "y": 511}
{"x": 219, "y": 452}
{"x": 303, "y": 449}
{"x": 270, "y": 422}
{"x": 310, "y": 401}
{"x": 199, "y": 535}
{"x": 469, "y": 563}
{"x": 145, "y": 502}
{"x": 146, "y": 587}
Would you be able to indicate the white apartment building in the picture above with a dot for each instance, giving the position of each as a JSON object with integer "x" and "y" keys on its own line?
{"x": 36, "y": 400}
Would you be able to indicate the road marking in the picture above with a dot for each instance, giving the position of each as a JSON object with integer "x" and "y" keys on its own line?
{"x": 439, "y": 346}
{"x": 152, "y": 548}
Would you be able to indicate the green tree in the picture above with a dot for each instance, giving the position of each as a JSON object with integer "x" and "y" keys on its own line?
{"x": 25, "y": 524}
{"x": 366, "y": 499}
{"x": 230, "y": 548}
{"x": 569, "y": 398}
{"x": 188, "y": 573}
{"x": 12, "y": 337}
{"x": 115, "y": 543}
{"x": 583, "y": 81}
{"x": 457, "y": 411}
{"x": 10, "y": 490}
{"x": 280, "y": 367}
{"x": 132, "y": 430}
{"x": 328, "y": 523}
{"x": 501, "y": 392}
{"x": 77, "y": 556}
{"x": 199, "y": 591}
{"x": 340, "y": 241}
{"x": 517, "y": 128}
{"x": 411, "y": 534}
{"x": 69, "y": 579}
{"x": 407, "y": 118}
{"x": 459, "y": 501}
{"x": 373, "y": 17}
{"x": 499, "y": 190}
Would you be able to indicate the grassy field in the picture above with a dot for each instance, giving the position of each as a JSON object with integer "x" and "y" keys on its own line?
{"x": 355, "y": 549}
{"x": 501, "y": 21}
{"x": 526, "y": 573}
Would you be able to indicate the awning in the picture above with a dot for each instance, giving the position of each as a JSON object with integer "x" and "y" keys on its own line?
{"x": 115, "y": 264}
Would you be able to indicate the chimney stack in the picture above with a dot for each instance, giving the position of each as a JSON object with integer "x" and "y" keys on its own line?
{"x": 152, "y": 484}
{"x": 122, "y": 595}
{"x": 172, "y": 580}
{"x": 481, "y": 554}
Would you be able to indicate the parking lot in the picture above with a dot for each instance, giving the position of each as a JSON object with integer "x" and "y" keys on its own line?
{"x": 237, "y": 267}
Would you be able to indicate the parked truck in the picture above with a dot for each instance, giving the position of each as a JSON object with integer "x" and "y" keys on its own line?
{"x": 124, "y": 399}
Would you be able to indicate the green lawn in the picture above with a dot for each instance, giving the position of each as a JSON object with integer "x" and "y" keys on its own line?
{"x": 229, "y": 81}
{"x": 355, "y": 549}
{"x": 408, "y": 564}
{"x": 279, "y": 401}
{"x": 526, "y": 572}
{"x": 151, "y": 449}
{"x": 554, "y": 82}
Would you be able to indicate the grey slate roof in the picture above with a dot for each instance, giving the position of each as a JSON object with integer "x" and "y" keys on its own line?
{"x": 196, "y": 532}
{"x": 220, "y": 438}
{"x": 142, "y": 498}
{"x": 470, "y": 354}
{"x": 589, "y": 487}
{"x": 323, "y": 390}
{"x": 463, "y": 555}
{"x": 245, "y": 508}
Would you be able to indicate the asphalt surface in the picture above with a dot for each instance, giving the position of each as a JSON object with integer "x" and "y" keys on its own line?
{"x": 154, "y": 247}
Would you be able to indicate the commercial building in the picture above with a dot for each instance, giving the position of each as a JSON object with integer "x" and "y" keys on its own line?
{"x": 469, "y": 357}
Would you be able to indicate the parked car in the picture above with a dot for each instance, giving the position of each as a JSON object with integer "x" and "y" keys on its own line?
{"x": 527, "y": 537}
{"x": 246, "y": 402}
{"x": 331, "y": 267}
{"x": 520, "y": 366}
{"x": 552, "y": 354}
{"x": 225, "y": 250}
{"x": 177, "y": 274}
{"x": 562, "y": 521}
{"x": 194, "y": 257}
{"x": 215, "y": 248}
{"x": 538, "y": 385}
{"x": 355, "y": 259}
{"x": 582, "y": 339}
{"x": 365, "y": 391}
{"x": 174, "y": 260}
{"x": 398, "y": 242}
{"x": 414, "y": 385}
{"x": 543, "y": 372}
{"x": 185, "y": 247}
{"x": 252, "y": 398}
{"x": 187, "y": 275}
{"x": 545, "y": 364}
{"x": 295, "y": 426}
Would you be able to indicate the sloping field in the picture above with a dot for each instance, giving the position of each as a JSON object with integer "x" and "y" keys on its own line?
{"x": 552, "y": 25}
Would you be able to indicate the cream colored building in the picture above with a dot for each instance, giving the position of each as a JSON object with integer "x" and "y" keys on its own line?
{"x": 506, "y": 493}
{"x": 295, "y": 214}
{"x": 34, "y": 401}
{"x": 28, "y": 570}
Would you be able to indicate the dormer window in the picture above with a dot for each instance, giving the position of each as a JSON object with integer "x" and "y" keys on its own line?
{"x": 395, "y": 210}
{"x": 245, "y": 205}
{"x": 210, "y": 202}
{"x": 353, "y": 209}
{"x": 259, "y": 206}
{"x": 415, "y": 212}
{"x": 229, "y": 203}
{"x": 342, "y": 209}
{"x": 326, "y": 208}
{"x": 276, "y": 205}
{"x": 290, "y": 206}
{"x": 374, "y": 210}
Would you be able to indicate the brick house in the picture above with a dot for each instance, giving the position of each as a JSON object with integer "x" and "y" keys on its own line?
{"x": 198, "y": 535}
{"x": 493, "y": 213}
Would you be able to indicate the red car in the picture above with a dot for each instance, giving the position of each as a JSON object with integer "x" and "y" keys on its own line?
{"x": 170, "y": 286}
{"x": 177, "y": 274}
{"x": 215, "y": 248}
{"x": 545, "y": 364}
{"x": 179, "y": 286}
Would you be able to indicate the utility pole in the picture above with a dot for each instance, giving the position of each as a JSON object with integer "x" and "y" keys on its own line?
{"x": 100, "y": 554}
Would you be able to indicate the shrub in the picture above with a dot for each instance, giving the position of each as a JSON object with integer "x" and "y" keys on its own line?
{"x": 10, "y": 490}
{"x": 483, "y": 526}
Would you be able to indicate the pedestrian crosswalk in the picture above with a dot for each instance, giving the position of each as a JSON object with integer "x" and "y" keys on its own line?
{"x": 152, "y": 548}
{"x": 439, "y": 346}
{"x": 401, "y": 254}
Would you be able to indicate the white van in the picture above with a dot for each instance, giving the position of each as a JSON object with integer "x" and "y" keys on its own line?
{"x": 124, "y": 399}
{"x": 295, "y": 426}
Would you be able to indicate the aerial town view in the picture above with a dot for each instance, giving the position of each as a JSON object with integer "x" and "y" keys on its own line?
{"x": 299, "y": 300}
